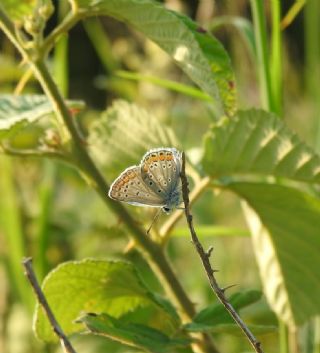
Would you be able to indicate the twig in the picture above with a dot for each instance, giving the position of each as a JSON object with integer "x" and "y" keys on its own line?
{"x": 23, "y": 82}
{"x": 205, "y": 259}
{"x": 65, "y": 343}
{"x": 45, "y": 152}
{"x": 167, "y": 227}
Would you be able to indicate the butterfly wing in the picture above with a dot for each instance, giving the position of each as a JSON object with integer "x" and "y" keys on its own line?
{"x": 160, "y": 170}
{"x": 130, "y": 187}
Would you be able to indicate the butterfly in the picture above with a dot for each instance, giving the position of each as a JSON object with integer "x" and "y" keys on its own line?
{"x": 155, "y": 182}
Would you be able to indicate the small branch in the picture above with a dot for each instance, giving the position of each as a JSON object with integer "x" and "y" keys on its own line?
{"x": 65, "y": 343}
{"x": 167, "y": 227}
{"x": 8, "y": 150}
{"x": 8, "y": 28}
{"x": 23, "y": 82}
{"x": 205, "y": 259}
{"x": 69, "y": 21}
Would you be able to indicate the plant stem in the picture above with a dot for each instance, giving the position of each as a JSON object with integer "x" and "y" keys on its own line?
{"x": 12, "y": 228}
{"x": 261, "y": 44}
{"x": 205, "y": 259}
{"x": 276, "y": 59}
{"x": 65, "y": 343}
{"x": 172, "y": 221}
{"x": 8, "y": 28}
{"x": 292, "y": 13}
{"x": 46, "y": 195}
{"x": 69, "y": 21}
{"x": 49, "y": 170}
{"x": 312, "y": 60}
{"x": 101, "y": 43}
{"x": 61, "y": 64}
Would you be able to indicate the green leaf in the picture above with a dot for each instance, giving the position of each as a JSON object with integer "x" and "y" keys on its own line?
{"x": 285, "y": 232}
{"x": 126, "y": 122}
{"x": 198, "y": 53}
{"x": 16, "y": 112}
{"x": 134, "y": 335}
{"x": 216, "y": 314}
{"x": 18, "y": 9}
{"x": 93, "y": 286}
{"x": 257, "y": 142}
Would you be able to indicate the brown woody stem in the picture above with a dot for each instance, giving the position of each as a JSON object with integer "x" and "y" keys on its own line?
{"x": 205, "y": 259}
{"x": 65, "y": 343}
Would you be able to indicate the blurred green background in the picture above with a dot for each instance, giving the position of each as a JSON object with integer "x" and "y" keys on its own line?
{"x": 49, "y": 213}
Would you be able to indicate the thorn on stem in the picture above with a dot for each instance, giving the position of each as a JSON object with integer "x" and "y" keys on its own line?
{"x": 209, "y": 252}
{"x": 228, "y": 287}
{"x": 212, "y": 271}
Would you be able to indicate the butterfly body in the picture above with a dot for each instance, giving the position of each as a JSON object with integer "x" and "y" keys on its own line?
{"x": 155, "y": 182}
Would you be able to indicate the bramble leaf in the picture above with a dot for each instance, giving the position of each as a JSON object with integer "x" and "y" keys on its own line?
{"x": 197, "y": 52}
{"x": 215, "y": 314}
{"x": 17, "y": 112}
{"x": 94, "y": 286}
{"x": 285, "y": 225}
{"x": 134, "y": 335}
{"x": 257, "y": 142}
{"x": 127, "y": 122}
{"x": 18, "y": 9}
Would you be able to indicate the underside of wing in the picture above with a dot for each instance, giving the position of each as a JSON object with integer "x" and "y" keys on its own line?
{"x": 160, "y": 170}
{"x": 130, "y": 187}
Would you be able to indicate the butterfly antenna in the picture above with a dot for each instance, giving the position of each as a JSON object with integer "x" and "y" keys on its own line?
{"x": 154, "y": 220}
